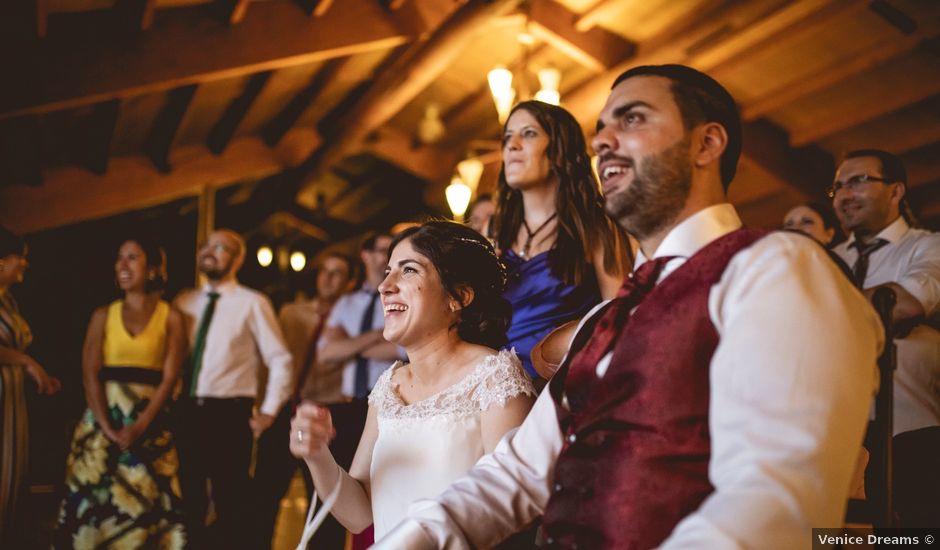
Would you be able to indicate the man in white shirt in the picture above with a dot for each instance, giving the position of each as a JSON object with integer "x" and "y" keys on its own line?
{"x": 771, "y": 385}
{"x": 233, "y": 333}
{"x": 884, "y": 250}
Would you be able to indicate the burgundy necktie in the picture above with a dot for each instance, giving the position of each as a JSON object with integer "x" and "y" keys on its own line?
{"x": 634, "y": 289}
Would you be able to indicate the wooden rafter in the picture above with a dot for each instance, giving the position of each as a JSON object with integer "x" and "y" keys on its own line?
{"x": 134, "y": 15}
{"x": 20, "y": 144}
{"x": 223, "y": 130}
{"x": 590, "y": 17}
{"x": 596, "y": 49}
{"x": 316, "y": 8}
{"x": 835, "y": 72}
{"x": 77, "y": 66}
{"x": 399, "y": 83}
{"x": 72, "y": 194}
{"x": 275, "y": 129}
{"x": 96, "y": 144}
{"x": 42, "y": 18}
{"x": 234, "y": 10}
{"x": 160, "y": 140}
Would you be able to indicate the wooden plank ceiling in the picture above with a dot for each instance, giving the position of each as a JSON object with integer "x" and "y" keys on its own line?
{"x": 313, "y": 106}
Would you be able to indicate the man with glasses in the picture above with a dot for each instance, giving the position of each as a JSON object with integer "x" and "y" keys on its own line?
{"x": 233, "y": 334}
{"x": 884, "y": 250}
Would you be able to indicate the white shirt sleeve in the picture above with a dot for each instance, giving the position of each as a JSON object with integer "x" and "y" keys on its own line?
{"x": 503, "y": 493}
{"x": 274, "y": 354}
{"x": 791, "y": 383}
{"x": 922, "y": 276}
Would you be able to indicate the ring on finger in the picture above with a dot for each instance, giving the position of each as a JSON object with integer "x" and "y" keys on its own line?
{"x": 300, "y": 436}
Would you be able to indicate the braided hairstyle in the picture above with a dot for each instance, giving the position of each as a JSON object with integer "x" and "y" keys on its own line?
{"x": 464, "y": 259}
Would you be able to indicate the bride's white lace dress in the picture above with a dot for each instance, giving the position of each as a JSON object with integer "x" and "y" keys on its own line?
{"x": 423, "y": 447}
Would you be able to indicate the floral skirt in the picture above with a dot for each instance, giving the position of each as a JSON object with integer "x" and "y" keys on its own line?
{"x": 122, "y": 499}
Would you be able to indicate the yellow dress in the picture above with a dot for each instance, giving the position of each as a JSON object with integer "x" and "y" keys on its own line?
{"x": 124, "y": 499}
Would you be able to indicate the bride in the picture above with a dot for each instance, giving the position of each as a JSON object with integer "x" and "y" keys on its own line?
{"x": 432, "y": 418}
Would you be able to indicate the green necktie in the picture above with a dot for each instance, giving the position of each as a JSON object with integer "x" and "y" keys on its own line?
{"x": 199, "y": 346}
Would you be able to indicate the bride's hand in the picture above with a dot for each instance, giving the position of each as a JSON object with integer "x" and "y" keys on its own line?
{"x": 311, "y": 430}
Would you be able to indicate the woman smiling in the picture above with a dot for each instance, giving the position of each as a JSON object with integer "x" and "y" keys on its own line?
{"x": 432, "y": 418}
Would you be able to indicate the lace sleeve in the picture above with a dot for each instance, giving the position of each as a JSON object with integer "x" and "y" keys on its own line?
{"x": 379, "y": 396}
{"x": 502, "y": 380}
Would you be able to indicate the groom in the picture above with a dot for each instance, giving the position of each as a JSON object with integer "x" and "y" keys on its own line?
{"x": 719, "y": 401}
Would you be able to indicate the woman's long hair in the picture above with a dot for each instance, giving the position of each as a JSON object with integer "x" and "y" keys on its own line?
{"x": 582, "y": 223}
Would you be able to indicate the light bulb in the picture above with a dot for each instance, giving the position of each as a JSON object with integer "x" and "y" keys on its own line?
{"x": 298, "y": 260}
{"x": 500, "y": 80}
{"x": 265, "y": 256}
{"x": 470, "y": 171}
{"x": 458, "y": 197}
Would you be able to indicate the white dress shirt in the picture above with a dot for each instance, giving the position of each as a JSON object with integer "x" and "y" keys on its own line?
{"x": 243, "y": 337}
{"x": 347, "y": 314}
{"x": 912, "y": 260}
{"x": 790, "y": 383}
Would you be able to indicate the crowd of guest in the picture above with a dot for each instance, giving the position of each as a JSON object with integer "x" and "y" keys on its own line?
{"x": 723, "y": 387}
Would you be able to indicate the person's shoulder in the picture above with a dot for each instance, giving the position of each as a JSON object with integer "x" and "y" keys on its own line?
{"x": 786, "y": 245}
{"x": 500, "y": 378}
{"x": 924, "y": 239}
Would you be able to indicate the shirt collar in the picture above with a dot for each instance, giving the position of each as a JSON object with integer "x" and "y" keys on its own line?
{"x": 696, "y": 231}
{"x": 892, "y": 233}
{"x": 225, "y": 287}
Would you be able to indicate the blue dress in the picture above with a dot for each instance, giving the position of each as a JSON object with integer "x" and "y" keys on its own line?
{"x": 541, "y": 302}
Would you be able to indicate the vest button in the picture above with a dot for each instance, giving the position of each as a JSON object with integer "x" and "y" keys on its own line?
{"x": 572, "y": 438}
{"x": 558, "y": 487}
{"x": 549, "y": 541}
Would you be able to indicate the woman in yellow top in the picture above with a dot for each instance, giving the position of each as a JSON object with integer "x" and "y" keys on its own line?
{"x": 122, "y": 484}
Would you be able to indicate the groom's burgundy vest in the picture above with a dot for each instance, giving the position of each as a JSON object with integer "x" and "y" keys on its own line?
{"x": 636, "y": 450}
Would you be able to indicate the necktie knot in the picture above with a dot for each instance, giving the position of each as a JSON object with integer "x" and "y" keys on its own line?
{"x": 866, "y": 249}
{"x": 644, "y": 278}
{"x": 213, "y": 296}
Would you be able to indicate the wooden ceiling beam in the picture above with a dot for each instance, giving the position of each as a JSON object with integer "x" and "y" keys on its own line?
{"x": 593, "y": 15}
{"x": 42, "y": 18}
{"x": 233, "y": 11}
{"x": 400, "y": 82}
{"x": 132, "y": 16}
{"x": 597, "y": 49}
{"x": 429, "y": 162}
{"x": 224, "y": 129}
{"x": 316, "y": 8}
{"x": 923, "y": 166}
{"x": 160, "y": 140}
{"x": 275, "y": 129}
{"x": 787, "y": 27}
{"x": 72, "y": 194}
{"x": 96, "y": 145}
{"x": 890, "y": 96}
{"x": 837, "y": 71}
{"x": 76, "y": 65}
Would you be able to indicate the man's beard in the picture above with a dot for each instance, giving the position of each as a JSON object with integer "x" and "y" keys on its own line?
{"x": 214, "y": 272}
{"x": 659, "y": 190}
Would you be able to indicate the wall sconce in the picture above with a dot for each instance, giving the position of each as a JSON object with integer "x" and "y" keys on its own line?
{"x": 298, "y": 260}
{"x": 265, "y": 256}
{"x": 470, "y": 171}
{"x": 500, "y": 81}
{"x": 549, "y": 79}
{"x": 458, "y": 197}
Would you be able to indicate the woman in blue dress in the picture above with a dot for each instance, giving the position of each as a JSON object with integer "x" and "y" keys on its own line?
{"x": 563, "y": 253}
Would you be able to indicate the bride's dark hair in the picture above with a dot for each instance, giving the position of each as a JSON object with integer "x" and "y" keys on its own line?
{"x": 465, "y": 260}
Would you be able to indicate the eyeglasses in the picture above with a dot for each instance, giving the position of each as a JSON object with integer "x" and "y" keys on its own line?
{"x": 852, "y": 183}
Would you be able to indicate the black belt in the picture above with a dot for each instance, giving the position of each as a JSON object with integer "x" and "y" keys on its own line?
{"x": 136, "y": 375}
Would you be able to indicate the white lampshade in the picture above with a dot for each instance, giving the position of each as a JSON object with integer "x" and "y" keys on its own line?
{"x": 265, "y": 256}
{"x": 458, "y": 197}
{"x": 549, "y": 79}
{"x": 298, "y": 260}
{"x": 470, "y": 171}
{"x": 500, "y": 80}
{"x": 548, "y": 96}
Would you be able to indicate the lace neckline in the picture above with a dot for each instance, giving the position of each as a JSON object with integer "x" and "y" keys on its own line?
{"x": 460, "y": 384}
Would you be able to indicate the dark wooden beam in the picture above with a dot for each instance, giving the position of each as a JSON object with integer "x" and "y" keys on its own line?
{"x": 79, "y": 65}
{"x": 223, "y": 130}
{"x": 316, "y": 8}
{"x": 597, "y": 49}
{"x": 20, "y": 151}
{"x": 134, "y": 15}
{"x": 399, "y": 83}
{"x": 42, "y": 18}
{"x": 233, "y": 11}
{"x": 160, "y": 140}
{"x": 96, "y": 146}
{"x": 71, "y": 194}
{"x": 275, "y": 129}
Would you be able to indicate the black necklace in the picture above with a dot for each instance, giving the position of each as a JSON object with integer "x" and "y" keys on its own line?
{"x": 524, "y": 254}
